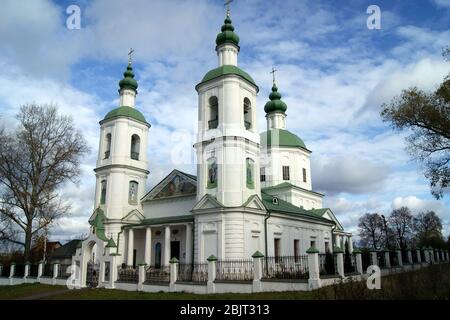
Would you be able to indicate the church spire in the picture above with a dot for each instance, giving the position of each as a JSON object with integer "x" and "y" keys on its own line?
{"x": 128, "y": 85}
{"x": 227, "y": 35}
{"x": 275, "y": 108}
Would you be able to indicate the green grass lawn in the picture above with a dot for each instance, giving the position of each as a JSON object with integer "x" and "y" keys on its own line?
{"x": 428, "y": 283}
{"x": 26, "y": 290}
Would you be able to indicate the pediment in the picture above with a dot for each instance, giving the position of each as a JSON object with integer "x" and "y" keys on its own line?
{"x": 254, "y": 202}
{"x": 176, "y": 184}
{"x": 133, "y": 216}
{"x": 207, "y": 202}
{"x": 329, "y": 215}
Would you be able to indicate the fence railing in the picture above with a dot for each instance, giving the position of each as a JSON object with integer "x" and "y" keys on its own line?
{"x": 365, "y": 260}
{"x": 285, "y": 267}
{"x": 349, "y": 263}
{"x": 33, "y": 271}
{"x": 127, "y": 274}
{"x": 197, "y": 272}
{"x": 327, "y": 264}
{"x": 47, "y": 270}
{"x": 153, "y": 274}
{"x": 381, "y": 258}
{"x": 19, "y": 272}
{"x": 414, "y": 256}
{"x": 234, "y": 270}
{"x": 64, "y": 271}
{"x": 393, "y": 258}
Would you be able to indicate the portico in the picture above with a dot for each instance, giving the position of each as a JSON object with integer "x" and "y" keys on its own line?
{"x": 156, "y": 244}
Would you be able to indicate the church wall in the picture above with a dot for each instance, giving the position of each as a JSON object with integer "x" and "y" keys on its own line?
{"x": 178, "y": 206}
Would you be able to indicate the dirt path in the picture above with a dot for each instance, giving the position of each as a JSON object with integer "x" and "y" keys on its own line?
{"x": 44, "y": 295}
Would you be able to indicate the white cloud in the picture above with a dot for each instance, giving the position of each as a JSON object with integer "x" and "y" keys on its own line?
{"x": 442, "y": 3}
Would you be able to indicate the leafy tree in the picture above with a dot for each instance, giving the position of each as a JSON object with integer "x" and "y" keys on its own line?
{"x": 371, "y": 230}
{"x": 36, "y": 159}
{"x": 426, "y": 115}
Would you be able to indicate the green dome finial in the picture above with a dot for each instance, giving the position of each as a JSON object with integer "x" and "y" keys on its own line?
{"x": 227, "y": 35}
{"x": 275, "y": 103}
{"x": 128, "y": 82}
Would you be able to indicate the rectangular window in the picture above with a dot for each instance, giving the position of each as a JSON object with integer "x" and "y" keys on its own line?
{"x": 286, "y": 173}
{"x": 296, "y": 249}
{"x": 263, "y": 174}
{"x": 313, "y": 244}
{"x": 304, "y": 175}
{"x": 277, "y": 247}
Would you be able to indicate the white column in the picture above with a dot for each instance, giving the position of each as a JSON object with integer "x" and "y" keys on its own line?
{"x": 148, "y": 246}
{"x": 340, "y": 263}
{"x": 188, "y": 243}
{"x": 130, "y": 247}
{"x": 350, "y": 244}
{"x": 166, "y": 246}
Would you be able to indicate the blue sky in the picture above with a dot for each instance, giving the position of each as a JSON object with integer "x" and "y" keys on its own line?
{"x": 334, "y": 73}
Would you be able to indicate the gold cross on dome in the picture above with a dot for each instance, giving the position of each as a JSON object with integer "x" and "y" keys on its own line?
{"x": 273, "y": 74}
{"x": 227, "y": 4}
{"x": 129, "y": 55}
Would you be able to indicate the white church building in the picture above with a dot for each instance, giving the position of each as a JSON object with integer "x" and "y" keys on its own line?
{"x": 252, "y": 190}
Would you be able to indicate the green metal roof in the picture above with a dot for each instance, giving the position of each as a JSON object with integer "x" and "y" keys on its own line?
{"x": 227, "y": 69}
{"x": 127, "y": 112}
{"x": 320, "y": 212}
{"x": 172, "y": 219}
{"x": 128, "y": 82}
{"x": 286, "y": 207}
{"x": 281, "y": 138}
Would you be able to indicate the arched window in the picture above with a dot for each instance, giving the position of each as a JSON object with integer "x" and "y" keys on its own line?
{"x": 247, "y": 114}
{"x": 250, "y": 164}
{"x": 135, "y": 146}
{"x": 213, "y": 119}
{"x": 133, "y": 192}
{"x": 107, "y": 145}
{"x": 212, "y": 173}
{"x": 103, "y": 192}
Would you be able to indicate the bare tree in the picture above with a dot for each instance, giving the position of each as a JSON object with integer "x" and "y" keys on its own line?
{"x": 427, "y": 225}
{"x": 36, "y": 159}
{"x": 401, "y": 222}
{"x": 371, "y": 230}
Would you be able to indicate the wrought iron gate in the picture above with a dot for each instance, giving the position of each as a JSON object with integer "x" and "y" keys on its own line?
{"x": 93, "y": 270}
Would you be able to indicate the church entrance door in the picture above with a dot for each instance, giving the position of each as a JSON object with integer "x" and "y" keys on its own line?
{"x": 175, "y": 250}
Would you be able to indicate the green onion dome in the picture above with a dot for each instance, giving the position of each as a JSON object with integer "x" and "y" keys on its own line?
{"x": 128, "y": 82}
{"x": 227, "y": 35}
{"x": 275, "y": 103}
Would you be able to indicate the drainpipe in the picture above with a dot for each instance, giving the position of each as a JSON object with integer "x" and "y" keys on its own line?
{"x": 193, "y": 245}
{"x": 265, "y": 236}
{"x": 118, "y": 239}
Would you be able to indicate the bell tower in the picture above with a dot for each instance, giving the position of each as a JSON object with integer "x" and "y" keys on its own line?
{"x": 227, "y": 144}
{"x": 121, "y": 171}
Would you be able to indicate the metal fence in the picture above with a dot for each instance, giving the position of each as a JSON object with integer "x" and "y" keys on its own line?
{"x": 349, "y": 263}
{"x": 414, "y": 256}
{"x": 285, "y": 267}
{"x": 393, "y": 259}
{"x": 127, "y": 274}
{"x": 153, "y": 274}
{"x": 197, "y": 272}
{"x": 234, "y": 270}
{"x": 5, "y": 271}
{"x": 19, "y": 271}
{"x": 365, "y": 260}
{"x": 381, "y": 258}
{"x": 33, "y": 270}
{"x": 64, "y": 271}
{"x": 48, "y": 270}
{"x": 327, "y": 264}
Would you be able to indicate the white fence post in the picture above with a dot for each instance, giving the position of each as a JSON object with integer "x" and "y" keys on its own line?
{"x": 1, "y": 270}
{"x": 55, "y": 272}
{"x": 313, "y": 266}
{"x": 419, "y": 257}
{"x": 211, "y": 288}
{"x": 399, "y": 258}
{"x": 12, "y": 270}
{"x": 387, "y": 258}
{"x": 173, "y": 273}
{"x": 40, "y": 269}
{"x": 27, "y": 270}
{"x": 258, "y": 258}
{"x": 141, "y": 275}
{"x": 410, "y": 259}
{"x": 373, "y": 256}
{"x": 358, "y": 258}
{"x": 340, "y": 261}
